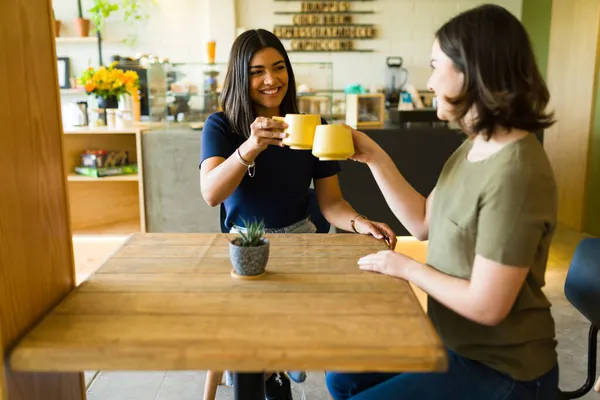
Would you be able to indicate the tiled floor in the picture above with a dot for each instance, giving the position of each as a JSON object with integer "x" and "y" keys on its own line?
{"x": 571, "y": 328}
{"x": 179, "y": 385}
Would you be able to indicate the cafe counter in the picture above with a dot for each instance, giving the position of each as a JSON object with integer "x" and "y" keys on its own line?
{"x": 171, "y": 175}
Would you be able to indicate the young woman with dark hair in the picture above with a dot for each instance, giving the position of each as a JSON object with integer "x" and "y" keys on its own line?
{"x": 244, "y": 163}
{"x": 489, "y": 221}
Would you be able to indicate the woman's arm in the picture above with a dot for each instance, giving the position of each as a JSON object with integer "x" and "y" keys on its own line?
{"x": 408, "y": 205}
{"x": 517, "y": 208}
{"x": 219, "y": 177}
{"x": 339, "y": 212}
{"x": 486, "y": 299}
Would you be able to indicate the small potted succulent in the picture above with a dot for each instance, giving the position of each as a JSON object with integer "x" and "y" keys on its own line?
{"x": 249, "y": 252}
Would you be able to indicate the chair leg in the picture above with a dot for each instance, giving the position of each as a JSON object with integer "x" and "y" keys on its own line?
{"x": 213, "y": 380}
{"x": 591, "y": 369}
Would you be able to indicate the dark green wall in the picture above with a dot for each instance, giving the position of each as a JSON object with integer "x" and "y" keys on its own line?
{"x": 592, "y": 215}
{"x": 536, "y": 16}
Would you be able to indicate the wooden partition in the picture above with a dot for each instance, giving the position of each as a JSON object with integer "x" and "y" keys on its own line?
{"x": 572, "y": 80}
{"x": 3, "y": 395}
{"x": 36, "y": 257}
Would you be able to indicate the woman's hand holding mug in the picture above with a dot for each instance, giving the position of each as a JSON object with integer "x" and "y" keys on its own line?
{"x": 365, "y": 148}
{"x": 265, "y": 132}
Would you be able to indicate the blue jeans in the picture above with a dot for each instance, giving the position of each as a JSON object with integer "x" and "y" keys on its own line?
{"x": 465, "y": 379}
{"x": 302, "y": 226}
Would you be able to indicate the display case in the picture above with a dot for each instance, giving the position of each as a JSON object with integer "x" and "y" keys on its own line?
{"x": 185, "y": 94}
{"x": 314, "y": 85}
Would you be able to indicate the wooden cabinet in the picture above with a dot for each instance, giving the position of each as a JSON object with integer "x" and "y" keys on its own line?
{"x": 108, "y": 205}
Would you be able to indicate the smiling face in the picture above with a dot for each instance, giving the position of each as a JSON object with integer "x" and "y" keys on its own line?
{"x": 268, "y": 80}
{"x": 446, "y": 81}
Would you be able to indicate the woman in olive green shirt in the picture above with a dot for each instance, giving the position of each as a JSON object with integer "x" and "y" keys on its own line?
{"x": 489, "y": 222}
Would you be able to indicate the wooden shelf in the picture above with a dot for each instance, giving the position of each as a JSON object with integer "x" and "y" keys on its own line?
{"x": 77, "y": 39}
{"x": 84, "y": 130}
{"x": 85, "y": 40}
{"x": 72, "y": 91}
{"x": 118, "y": 178}
{"x": 329, "y": 51}
{"x": 321, "y": 13}
{"x": 115, "y": 206}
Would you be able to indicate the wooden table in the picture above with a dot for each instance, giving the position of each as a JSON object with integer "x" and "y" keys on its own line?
{"x": 168, "y": 302}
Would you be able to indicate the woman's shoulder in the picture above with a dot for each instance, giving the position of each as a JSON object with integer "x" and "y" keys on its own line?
{"x": 217, "y": 119}
{"x": 218, "y": 124}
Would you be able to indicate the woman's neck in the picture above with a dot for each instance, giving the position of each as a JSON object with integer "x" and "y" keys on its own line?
{"x": 261, "y": 111}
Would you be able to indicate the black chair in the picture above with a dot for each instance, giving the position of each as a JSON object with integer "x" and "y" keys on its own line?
{"x": 582, "y": 289}
{"x": 314, "y": 212}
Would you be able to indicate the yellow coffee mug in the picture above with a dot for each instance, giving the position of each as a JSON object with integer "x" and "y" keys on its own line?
{"x": 333, "y": 142}
{"x": 301, "y": 130}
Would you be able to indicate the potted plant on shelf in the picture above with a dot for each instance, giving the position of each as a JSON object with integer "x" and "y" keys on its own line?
{"x": 108, "y": 84}
{"x": 56, "y": 25}
{"x": 249, "y": 252}
{"x": 82, "y": 24}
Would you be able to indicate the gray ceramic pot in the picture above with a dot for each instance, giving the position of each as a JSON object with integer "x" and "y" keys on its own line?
{"x": 248, "y": 261}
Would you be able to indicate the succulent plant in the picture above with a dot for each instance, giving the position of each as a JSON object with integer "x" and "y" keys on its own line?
{"x": 253, "y": 236}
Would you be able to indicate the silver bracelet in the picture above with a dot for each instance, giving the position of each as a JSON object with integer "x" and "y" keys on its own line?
{"x": 251, "y": 166}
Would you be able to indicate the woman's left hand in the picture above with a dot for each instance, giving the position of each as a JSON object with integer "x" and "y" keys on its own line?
{"x": 379, "y": 230}
{"x": 388, "y": 262}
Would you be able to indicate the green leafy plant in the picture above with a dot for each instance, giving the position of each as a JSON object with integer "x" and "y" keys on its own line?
{"x": 253, "y": 235}
{"x": 101, "y": 10}
{"x": 133, "y": 11}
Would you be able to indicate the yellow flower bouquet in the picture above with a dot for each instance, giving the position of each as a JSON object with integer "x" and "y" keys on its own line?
{"x": 109, "y": 82}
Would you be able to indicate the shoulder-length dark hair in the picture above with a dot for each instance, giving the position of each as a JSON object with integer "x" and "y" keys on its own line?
{"x": 502, "y": 81}
{"x": 235, "y": 97}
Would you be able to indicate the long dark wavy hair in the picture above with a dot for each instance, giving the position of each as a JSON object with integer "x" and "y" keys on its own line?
{"x": 235, "y": 98}
{"x": 502, "y": 80}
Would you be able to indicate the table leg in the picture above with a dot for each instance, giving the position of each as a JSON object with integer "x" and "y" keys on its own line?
{"x": 249, "y": 386}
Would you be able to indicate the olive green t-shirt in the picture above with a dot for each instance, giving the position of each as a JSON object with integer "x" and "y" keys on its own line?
{"x": 504, "y": 209}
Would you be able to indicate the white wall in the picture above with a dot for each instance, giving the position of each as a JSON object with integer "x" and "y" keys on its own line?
{"x": 178, "y": 29}
{"x": 406, "y": 29}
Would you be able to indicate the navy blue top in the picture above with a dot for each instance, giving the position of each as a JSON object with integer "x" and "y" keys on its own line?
{"x": 278, "y": 192}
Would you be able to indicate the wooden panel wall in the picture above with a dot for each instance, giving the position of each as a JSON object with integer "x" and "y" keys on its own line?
{"x": 36, "y": 259}
{"x": 572, "y": 67}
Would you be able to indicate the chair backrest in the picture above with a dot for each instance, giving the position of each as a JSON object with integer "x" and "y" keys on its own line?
{"x": 314, "y": 212}
{"x": 582, "y": 286}
{"x": 222, "y": 216}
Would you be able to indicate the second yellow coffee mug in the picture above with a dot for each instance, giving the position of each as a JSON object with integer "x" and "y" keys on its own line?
{"x": 333, "y": 142}
{"x": 301, "y": 129}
